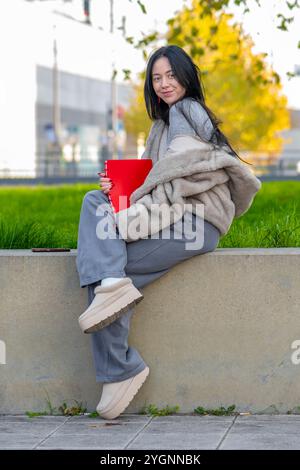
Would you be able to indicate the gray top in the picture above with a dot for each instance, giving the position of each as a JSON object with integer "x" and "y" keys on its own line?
{"x": 186, "y": 117}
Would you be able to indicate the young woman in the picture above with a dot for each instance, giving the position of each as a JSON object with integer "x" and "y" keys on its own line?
{"x": 114, "y": 269}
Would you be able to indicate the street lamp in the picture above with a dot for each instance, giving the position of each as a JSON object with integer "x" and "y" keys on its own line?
{"x": 297, "y": 69}
{"x": 86, "y": 11}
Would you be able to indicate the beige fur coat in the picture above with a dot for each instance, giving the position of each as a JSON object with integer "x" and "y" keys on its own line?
{"x": 191, "y": 173}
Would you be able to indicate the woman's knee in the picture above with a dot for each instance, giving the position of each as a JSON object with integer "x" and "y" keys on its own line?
{"x": 95, "y": 195}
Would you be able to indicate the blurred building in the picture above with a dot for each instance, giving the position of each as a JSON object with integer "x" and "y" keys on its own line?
{"x": 85, "y": 124}
{"x": 285, "y": 162}
{"x": 289, "y": 160}
{"x": 55, "y": 73}
{"x": 55, "y": 81}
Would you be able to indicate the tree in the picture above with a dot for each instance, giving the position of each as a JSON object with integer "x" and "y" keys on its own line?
{"x": 241, "y": 89}
{"x": 211, "y": 8}
{"x": 136, "y": 120}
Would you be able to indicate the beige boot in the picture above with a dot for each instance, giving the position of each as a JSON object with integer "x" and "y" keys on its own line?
{"x": 116, "y": 396}
{"x": 109, "y": 303}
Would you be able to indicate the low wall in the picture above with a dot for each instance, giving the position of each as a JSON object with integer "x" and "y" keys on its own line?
{"x": 216, "y": 330}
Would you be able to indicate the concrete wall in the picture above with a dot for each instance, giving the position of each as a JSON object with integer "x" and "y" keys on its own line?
{"x": 216, "y": 330}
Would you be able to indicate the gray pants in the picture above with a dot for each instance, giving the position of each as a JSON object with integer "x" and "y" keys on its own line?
{"x": 143, "y": 261}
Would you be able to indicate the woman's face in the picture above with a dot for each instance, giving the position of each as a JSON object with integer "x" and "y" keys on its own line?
{"x": 164, "y": 82}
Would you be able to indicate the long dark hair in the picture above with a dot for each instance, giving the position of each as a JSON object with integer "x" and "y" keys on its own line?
{"x": 188, "y": 74}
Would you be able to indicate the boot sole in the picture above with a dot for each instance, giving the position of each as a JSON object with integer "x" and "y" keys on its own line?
{"x": 110, "y": 318}
{"x": 132, "y": 390}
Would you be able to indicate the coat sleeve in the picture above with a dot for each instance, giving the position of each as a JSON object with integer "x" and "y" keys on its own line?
{"x": 151, "y": 213}
{"x": 165, "y": 204}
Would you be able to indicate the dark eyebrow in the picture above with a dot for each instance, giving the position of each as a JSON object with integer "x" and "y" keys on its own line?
{"x": 159, "y": 74}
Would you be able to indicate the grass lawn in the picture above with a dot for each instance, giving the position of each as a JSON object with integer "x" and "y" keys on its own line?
{"x": 48, "y": 216}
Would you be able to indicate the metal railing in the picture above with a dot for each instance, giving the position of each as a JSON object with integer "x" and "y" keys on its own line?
{"x": 54, "y": 172}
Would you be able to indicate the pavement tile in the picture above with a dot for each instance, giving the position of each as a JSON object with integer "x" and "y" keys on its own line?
{"x": 95, "y": 433}
{"x": 19, "y": 432}
{"x": 257, "y": 432}
{"x": 133, "y": 431}
{"x": 183, "y": 432}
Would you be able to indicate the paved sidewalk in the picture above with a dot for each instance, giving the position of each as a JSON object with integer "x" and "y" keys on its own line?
{"x": 133, "y": 431}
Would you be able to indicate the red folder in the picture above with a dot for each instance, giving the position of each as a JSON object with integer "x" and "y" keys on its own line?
{"x": 126, "y": 176}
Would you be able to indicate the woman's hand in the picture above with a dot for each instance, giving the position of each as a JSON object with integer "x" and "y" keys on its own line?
{"x": 104, "y": 183}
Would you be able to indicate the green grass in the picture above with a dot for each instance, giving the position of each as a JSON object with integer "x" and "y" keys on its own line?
{"x": 48, "y": 216}
{"x": 153, "y": 410}
{"x": 222, "y": 411}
